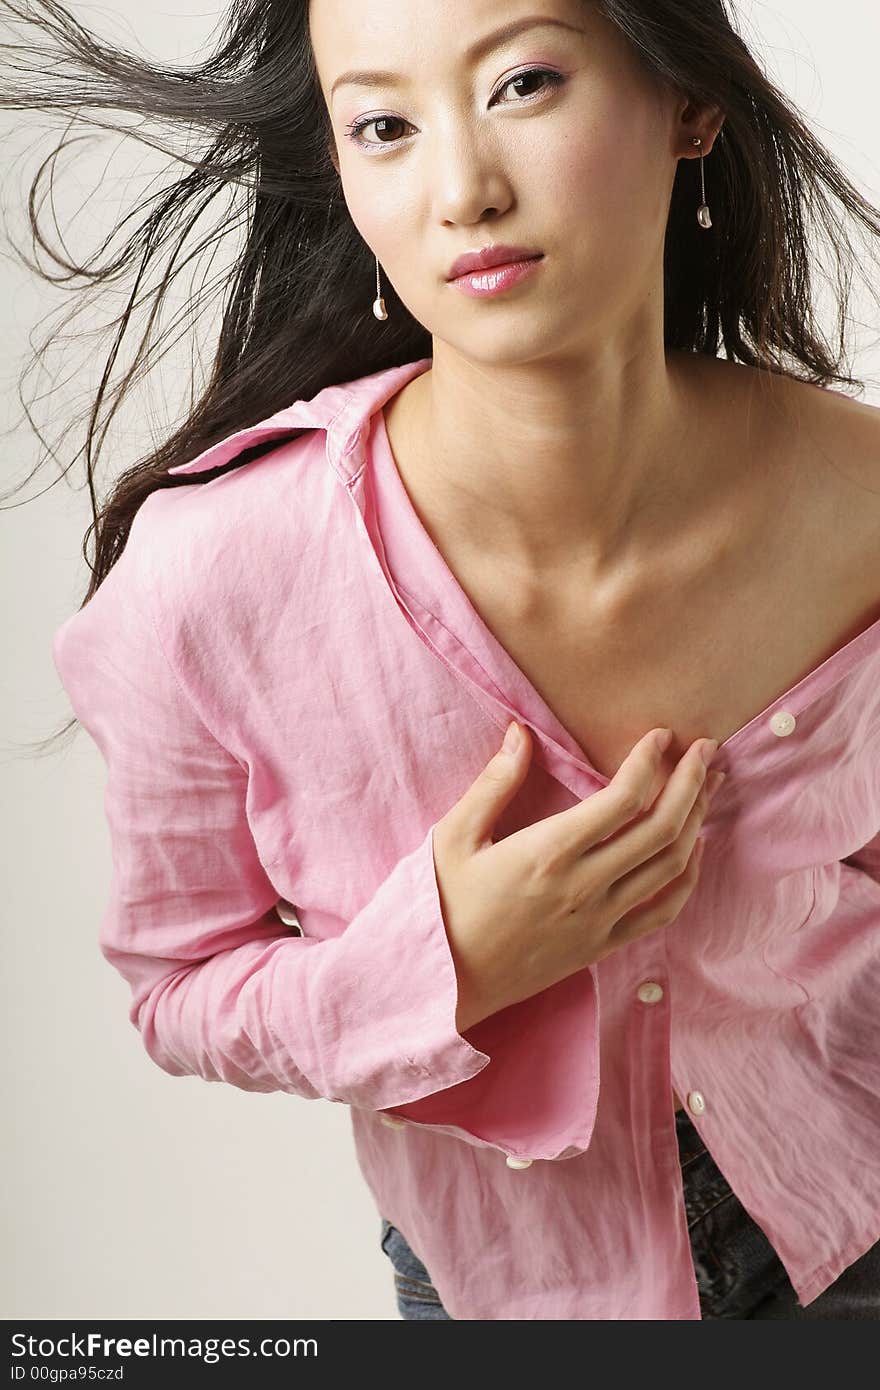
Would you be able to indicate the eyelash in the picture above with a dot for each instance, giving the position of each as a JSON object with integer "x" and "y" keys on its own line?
{"x": 353, "y": 131}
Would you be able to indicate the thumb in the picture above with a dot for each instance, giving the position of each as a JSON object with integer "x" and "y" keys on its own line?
{"x": 496, "y": 786}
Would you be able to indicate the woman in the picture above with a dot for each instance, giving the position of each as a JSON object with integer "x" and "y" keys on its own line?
{"x": 519, "y": 489}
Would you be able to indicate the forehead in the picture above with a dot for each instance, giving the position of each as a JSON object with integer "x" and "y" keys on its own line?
{"x": 401, "y": 34}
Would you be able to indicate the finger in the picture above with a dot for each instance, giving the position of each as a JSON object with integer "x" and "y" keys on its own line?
{"x": 661, "y": 825}
{"x": 662, "y": 909}
{"x": 566, "y": 836}
{"x": 655, "y": 874}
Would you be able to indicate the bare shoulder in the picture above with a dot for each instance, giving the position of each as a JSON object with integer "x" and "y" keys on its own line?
{"x": 822, "y": 445}
{"x": 836, "y": 454}
{"x": 842, "y": 438}
{"x": 819, "y": 457}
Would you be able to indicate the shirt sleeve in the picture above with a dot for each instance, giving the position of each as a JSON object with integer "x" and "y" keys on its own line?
{"x": 220, "y": 987}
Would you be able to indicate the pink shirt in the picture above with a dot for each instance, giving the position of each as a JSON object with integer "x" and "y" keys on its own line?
{"x": 289, "y": 689}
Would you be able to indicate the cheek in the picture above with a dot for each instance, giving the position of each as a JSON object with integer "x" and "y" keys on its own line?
{"x": 380, "y": 211}
{"x": 586, "y": 167}
{"x": 610, "y": 170}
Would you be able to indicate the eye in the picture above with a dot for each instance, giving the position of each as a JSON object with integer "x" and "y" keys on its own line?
{"x": 556, "y": 79}
{"x": 353, "y": 131}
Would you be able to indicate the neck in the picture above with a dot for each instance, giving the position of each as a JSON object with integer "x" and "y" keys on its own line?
{"x": 598, "y": 462}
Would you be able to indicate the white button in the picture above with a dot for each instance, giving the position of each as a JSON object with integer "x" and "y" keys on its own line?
{"x": 393, "y": 1121}
{"x": 650, "y": 992}
{"x": 696, "y": 1103}
{"x": 782, "y": 723}
{"x": 518, "y": 1162}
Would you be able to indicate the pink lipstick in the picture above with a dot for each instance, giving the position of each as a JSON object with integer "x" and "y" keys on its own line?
{"x": 497, "y": 278}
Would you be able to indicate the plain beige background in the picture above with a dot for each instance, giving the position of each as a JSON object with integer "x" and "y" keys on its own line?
{"x": 128, "y": 1193}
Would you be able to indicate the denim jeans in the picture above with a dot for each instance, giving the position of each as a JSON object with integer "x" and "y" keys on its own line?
{"x": 739, "y": 1274}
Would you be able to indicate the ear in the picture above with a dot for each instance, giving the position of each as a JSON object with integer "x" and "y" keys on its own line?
{"x": 702, "y": 121}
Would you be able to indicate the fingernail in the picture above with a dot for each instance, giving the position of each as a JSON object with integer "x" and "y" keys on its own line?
{"x": 511, "y": 738}
{"x": 708, "y": 750}
{"x": 663, "y": 739}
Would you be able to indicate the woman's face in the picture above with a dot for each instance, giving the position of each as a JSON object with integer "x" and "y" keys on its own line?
{"x": 553, "y": 139}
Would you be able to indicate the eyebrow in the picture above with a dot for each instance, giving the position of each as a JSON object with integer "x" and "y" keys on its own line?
{"x": 365, "y": 78}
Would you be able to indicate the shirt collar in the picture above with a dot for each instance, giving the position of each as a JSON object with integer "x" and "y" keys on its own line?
{"x": 344, "y": 410}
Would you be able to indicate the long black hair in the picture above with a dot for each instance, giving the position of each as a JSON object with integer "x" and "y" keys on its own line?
{"x": 297, "y": 301}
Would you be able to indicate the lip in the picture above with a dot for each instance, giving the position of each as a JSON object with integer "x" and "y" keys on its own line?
{"x": 486, "y": 284}
{"x": 489, "y": 256}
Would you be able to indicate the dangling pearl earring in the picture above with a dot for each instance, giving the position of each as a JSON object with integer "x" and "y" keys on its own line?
{"x": 703, "y": 216}
{"x": 379, "y": 309}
